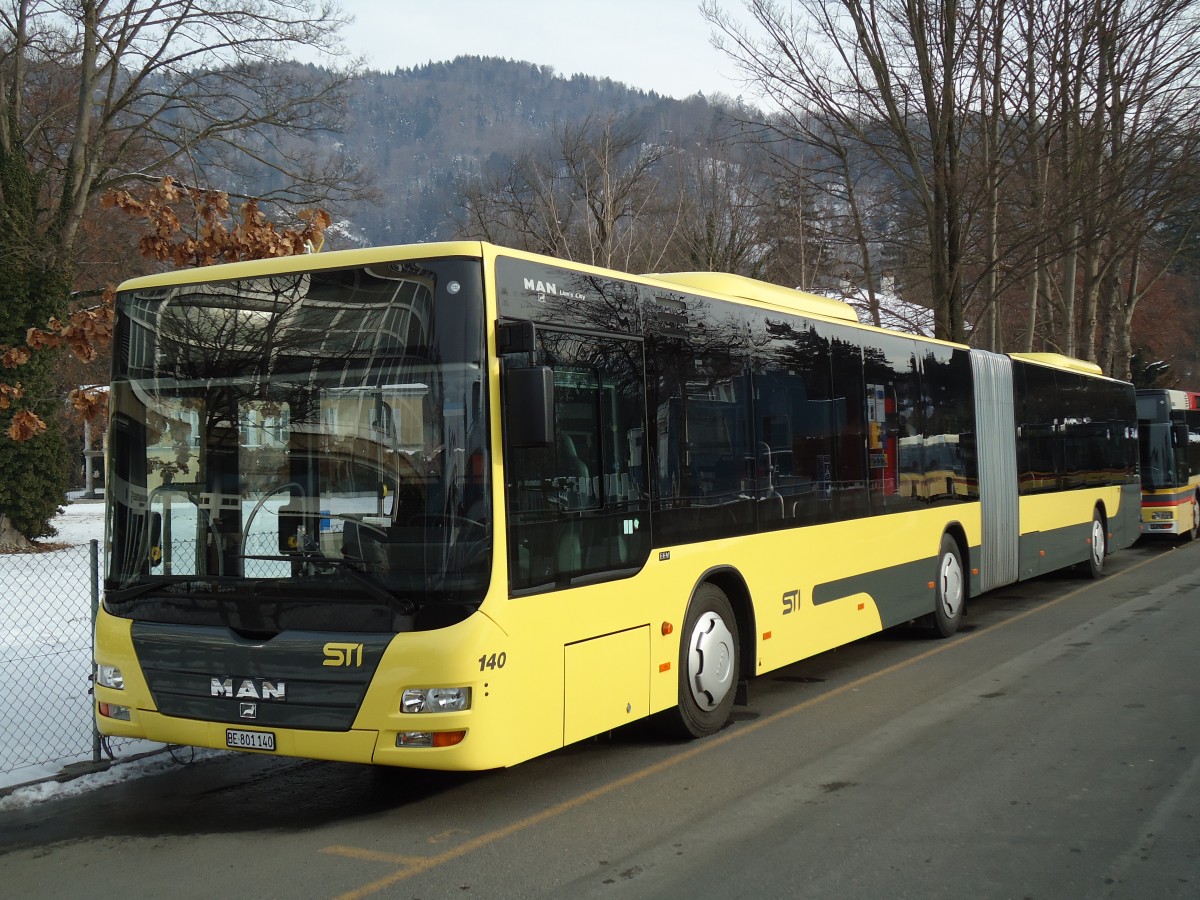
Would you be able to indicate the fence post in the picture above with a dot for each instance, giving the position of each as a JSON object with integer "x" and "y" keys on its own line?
{"x": 94, "y": 558}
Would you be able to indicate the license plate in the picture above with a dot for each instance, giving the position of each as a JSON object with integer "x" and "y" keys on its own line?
{"x": 249, "y": 740}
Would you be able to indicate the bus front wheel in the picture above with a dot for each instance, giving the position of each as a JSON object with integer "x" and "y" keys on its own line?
{"x": 1192, "y": 533}
{"x": 708, "y": 666}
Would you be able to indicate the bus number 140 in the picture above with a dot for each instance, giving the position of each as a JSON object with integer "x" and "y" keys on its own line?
{"x": 495, "y": 661}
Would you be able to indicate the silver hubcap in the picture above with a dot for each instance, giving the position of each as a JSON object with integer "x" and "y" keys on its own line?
{"x": 1097, "y": 542}
{"x": 950, "y": 585}
{"x": 710, "y": 661}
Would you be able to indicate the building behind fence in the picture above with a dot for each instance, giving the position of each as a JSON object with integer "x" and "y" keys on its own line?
{"x": 47, "y": 610}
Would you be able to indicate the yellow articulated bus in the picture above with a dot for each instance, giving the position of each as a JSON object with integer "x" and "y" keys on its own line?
{"x": 1169, "y": 438}
{"x": 452, "y": 506}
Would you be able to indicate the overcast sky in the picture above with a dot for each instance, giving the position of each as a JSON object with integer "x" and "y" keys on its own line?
{"x": 654, "y": 45}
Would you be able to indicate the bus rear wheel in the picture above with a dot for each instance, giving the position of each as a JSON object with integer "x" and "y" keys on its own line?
{"x": 950, "y": 590}
{"x": 1098, "y": 547}
{"x": 709, "y": 662}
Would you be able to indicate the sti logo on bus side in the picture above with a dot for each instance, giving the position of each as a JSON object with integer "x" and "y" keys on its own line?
{"x": 249, "y": 689}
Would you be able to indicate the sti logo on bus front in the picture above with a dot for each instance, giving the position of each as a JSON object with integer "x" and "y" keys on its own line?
{"x": 249, "y": 689}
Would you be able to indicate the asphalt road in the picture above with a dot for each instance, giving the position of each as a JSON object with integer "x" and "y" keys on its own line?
{"x": 1049, "y": 750}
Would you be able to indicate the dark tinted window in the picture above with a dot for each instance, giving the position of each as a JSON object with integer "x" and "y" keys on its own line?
{"x": 1038, "y": 453}
{"x": 950, "y": 467}
{"x": 705, "y": 464}
{"x": 795, "y": 420}
{"x": 578, "y": 510}
{"x": 895, "y": 443}
{"x": 1074, "y": 430}
{"x": 850, "y": 400}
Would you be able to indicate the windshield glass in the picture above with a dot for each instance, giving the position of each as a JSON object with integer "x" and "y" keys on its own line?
{"x": 1157, "y": 455}
{"x": 302, "y": 451}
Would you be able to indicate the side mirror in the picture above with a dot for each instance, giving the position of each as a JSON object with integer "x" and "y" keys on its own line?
{"x": 1179, "y": 434}
{"x": 529, "y": 406}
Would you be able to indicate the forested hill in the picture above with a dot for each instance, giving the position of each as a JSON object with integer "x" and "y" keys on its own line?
{"x": 420, "y": 130}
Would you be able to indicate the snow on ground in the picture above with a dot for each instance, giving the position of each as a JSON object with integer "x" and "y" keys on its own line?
{"x": 53, "y": 651}
{"x": 126, "y": 770}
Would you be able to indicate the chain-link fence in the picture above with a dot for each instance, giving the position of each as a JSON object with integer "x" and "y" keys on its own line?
{"x": 47, "y": 607}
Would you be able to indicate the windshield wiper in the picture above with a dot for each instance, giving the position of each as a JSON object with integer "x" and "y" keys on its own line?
{"x": 120, "y": 595}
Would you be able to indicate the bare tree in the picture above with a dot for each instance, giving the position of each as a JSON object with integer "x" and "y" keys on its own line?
{"x": 1111, "y": 97}
{"x": 592, "y": 194}
{"x": 888, "y": 76}
{"x": 99, "y": 93}
{"x": 95, "y": 94}
{"x": 722, "y": 198}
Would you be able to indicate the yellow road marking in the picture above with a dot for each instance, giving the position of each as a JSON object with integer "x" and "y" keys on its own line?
{"x": 415, "y": 865}
{"x": 371, "y": 855}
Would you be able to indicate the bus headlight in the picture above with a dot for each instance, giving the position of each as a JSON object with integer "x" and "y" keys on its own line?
{"x": 109, "y": 677}
{"x": 427, "y": 700}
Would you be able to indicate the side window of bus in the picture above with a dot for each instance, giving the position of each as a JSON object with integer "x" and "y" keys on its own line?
{"x": 811, "y": 415}
{"x": 951, "y": 467}
{"x": 1193, "y": 447}
{"x": 1038, "y": 456}
{"x": 578, "y": 509}
{"x": 895, "y": 445}
{"x": 1095, "y": 451}
{"x": 705, "y": 481}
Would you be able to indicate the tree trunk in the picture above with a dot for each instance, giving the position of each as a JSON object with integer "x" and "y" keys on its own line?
{"x": 11, "y": 540}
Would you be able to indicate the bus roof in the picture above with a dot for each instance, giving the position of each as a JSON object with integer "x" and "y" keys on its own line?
{"x": 752, "y": 289}
{"x": 735, "y": 286}
{"x": 1059, "y": 361}
{"x": 335, "y": 259}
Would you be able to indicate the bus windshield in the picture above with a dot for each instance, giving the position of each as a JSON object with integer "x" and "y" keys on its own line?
{"x": 1158, "y": 458}
{"x": 302, "y": 451}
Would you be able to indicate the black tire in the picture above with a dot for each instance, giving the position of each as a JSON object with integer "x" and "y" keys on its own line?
{"x": 950, "y": 589}
{"x": 709, "y": 666}
{"x": 1097, "y": 547}
{"x": 1192, "y": 533}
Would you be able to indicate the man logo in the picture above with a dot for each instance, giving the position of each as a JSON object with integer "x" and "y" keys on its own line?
{"x": 248, "y": 689}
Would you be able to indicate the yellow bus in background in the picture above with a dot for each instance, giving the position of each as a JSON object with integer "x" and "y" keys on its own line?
{"x": 1169, "y": 438}
{"x": 453, "y": 506}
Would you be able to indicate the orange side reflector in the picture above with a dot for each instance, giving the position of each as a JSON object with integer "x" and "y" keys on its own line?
{"x": 667, "y": 628}
{"x": 1041, "y": 553}
{"x": 974, "y": 571}
{"x": 932, "y": 585}
{"x": 767, "y": 635}
{"x": 664, "y": 667}
{"x": 862, "y": 606}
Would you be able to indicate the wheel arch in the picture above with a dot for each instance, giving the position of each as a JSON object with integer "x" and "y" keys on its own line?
{"x": 734, "y": 586}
